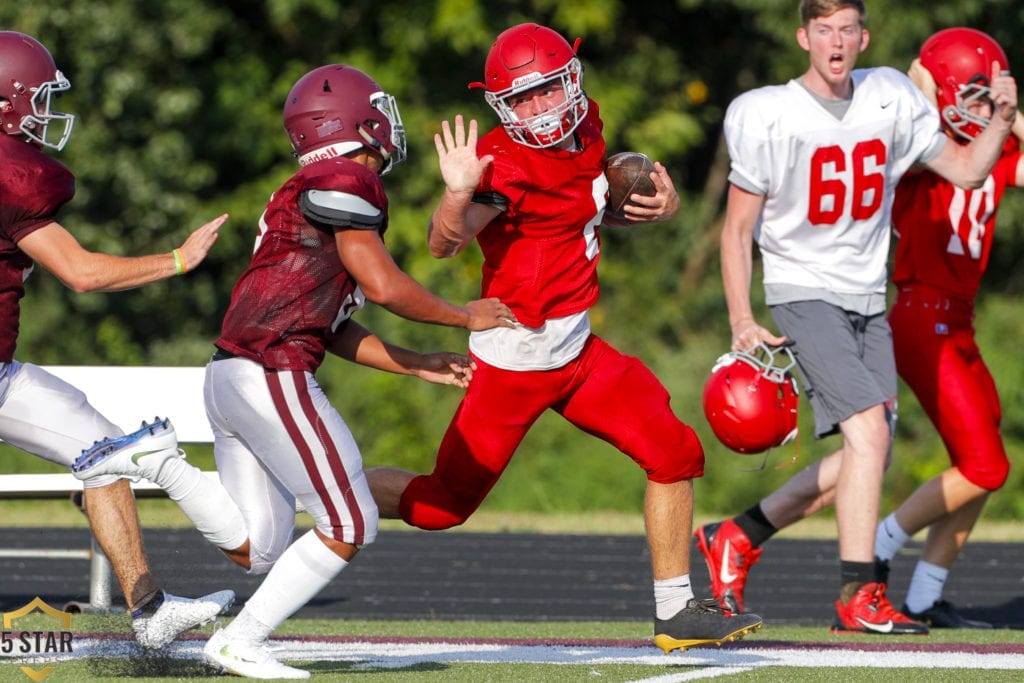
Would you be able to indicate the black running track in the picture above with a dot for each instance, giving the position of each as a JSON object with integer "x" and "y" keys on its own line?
{"x": 517, "y": 577}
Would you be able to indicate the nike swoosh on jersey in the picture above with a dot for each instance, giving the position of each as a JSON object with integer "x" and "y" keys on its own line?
{"x": 877, "y": 628}
{"x": 724, "y": 574}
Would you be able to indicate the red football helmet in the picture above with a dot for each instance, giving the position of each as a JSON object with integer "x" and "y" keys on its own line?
{"x": 750, "y": 402}
{"x": 336, "y": 109}
{"x": 28, "y": 81}
{"x": 522, "y": 58}
{"x": 960, "y": 61}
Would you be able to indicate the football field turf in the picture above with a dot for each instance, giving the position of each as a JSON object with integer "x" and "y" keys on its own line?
{"x": 337, "y": 650}
{"x": 501, "y": 606}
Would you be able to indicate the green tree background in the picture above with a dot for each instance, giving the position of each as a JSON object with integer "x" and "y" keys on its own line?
{"x": 178, "y": 105}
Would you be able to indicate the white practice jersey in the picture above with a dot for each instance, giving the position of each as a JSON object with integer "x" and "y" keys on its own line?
{"x": 829, "y": 183}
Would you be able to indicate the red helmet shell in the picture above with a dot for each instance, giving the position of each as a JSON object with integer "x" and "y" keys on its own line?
{"x": 336, "y": 109}
{"x": 28, "y": 80}
{"x": 960, "y": 61}
{"x": 751, "y": 406}
{"x": 524, "y": 57}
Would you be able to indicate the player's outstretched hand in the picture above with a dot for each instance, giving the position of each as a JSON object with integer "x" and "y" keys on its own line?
{"x": 485, "y": 314}
{"x": 198, "y": 244}
{"x": 443, "y": 367}
{"x": 1004, "y": 93}
{"x": 456, "y": 154}
{"x": 924, "y": 80}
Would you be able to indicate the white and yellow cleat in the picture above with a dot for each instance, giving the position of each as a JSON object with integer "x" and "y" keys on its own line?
{"x": 702, "y": 623}
{"x": 247, "y": 659}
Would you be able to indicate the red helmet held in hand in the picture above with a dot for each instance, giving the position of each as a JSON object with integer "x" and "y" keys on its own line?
{"x": 336, "y": 109}
{"x": 522, "y": 58}
{"x": 960, "y": 60}
{"x": 28, "y": 81}
{"x": 751, "y": 403}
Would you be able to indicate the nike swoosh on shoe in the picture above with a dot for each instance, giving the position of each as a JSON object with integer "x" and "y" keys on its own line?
{"x": 877, "y": 628}
{"x": 143, "y": 454}
{"x": 225, "y": 653}
{"x": 724, "y": 574}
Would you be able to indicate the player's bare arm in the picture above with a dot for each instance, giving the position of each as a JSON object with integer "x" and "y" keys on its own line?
{"x": 456, "y": 221}
{"x": 57, "y": 250}
{"x": 969, "y": 165}
{"x": 367, "y": 259}
{"x": 737, "y": 243}
{"x": 1018, "y": 131}
{"x": 359, "y": 345}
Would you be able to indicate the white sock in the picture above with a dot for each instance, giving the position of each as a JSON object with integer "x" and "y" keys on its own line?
{"x": 926, "y": 586}
{"x": 302, "y": 571}
{"x": 205, "y": 502}
{"x": 671, "y": 595}
{"x": 889, "y": 538}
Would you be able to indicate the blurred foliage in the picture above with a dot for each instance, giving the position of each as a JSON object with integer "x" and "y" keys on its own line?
{"x": 179, "y": 120}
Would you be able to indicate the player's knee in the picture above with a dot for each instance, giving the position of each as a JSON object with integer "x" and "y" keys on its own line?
{"x": 991, "y": 477}
{"x": 360, "y": 533}
{"x": 265, "y": 549}
{"x": 683, "y": 460}
{"x": 260, "y": 564}
{"x": 427, "y": 504}
{"x": 888, "y": 458}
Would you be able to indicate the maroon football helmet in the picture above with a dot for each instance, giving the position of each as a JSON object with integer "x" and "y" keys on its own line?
{"x": 960, "y": 60}
{"x": 28, "y": 81}
{"x": 336, "y": 109}
{"x": 750, "y": 402}
{"x": 522, "y": 58}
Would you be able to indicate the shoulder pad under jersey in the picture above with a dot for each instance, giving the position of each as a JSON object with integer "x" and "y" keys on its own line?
{"x": 340, "y": 209}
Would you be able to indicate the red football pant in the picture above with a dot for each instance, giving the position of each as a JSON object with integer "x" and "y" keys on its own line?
{"x": 603, "y": 392}
{"x": 936, "y": 355}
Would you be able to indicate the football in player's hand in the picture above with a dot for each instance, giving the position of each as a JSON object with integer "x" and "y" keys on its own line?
{"x": 628, "y": 173}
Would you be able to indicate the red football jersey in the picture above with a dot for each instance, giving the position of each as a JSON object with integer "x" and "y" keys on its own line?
{"x": 296, "y": 291}
{"x": 33, "y": 186}
{"x": 945, "y": 232}
{"x": 541, "y": 253}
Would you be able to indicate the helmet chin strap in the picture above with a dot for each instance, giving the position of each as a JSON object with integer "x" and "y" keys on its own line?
{"x": 794, "y": 438}
{"x": 373, "y": 143}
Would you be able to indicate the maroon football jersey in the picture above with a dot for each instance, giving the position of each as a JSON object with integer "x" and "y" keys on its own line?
{"x": 33, "y": 186}
{"x": 541, "y": 253}
{"x": 296, "y": 291}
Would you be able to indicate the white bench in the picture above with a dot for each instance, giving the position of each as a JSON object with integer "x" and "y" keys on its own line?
{"x": 126, "y": 396}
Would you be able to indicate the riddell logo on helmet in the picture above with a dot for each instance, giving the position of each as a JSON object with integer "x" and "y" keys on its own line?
{"x": 328, "y": 128}
{"x": 529, "y": 78}
{"x": 328, "y": 152}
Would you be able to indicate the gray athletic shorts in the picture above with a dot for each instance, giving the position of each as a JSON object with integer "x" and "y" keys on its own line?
{"x": 846, "y": 360}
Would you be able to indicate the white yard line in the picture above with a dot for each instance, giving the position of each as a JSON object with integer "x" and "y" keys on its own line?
{"x": 709, "y": 662}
